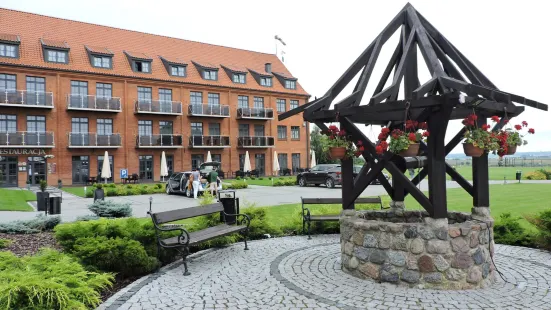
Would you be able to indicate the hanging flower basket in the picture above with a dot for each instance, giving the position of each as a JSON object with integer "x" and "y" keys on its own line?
{"x": 509, "y": 139}
{"x": 512, "y": 149}
{"x": 337, "y": 152}
{"x": 471, "y": 150}
{"x": 412, "y": 150}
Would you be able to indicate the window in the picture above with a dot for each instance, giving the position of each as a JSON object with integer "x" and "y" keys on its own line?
{"x": 259, "y": 102}
{"x": 57, "y": 56}
{"x": 165, "y": 127}
{"x": 295, "y": 158}
{"x": 295, "y": 132}
{"x": 178, "y": 70}
{"x": 145, "y": 128}
{"x": 239, "y": 78}
{"x": 79, "y": 88}
{"x": 146, "y": 167}
{"x": 293, "y": 104}
{"x": 9, "y": 50}
{"x": 241, "y": 161}
{"x": 259, "y": 130}
{"x": 282, "y": 132}
{"x": 36, "y": 123}
{"x": 214, "y": 129}
{"x": 79, "y": 125}
{"x": 7, "y": 82}
{"x": 214, "y": 99}
{"x": 281, "y": 105}
{"x": 243, "y": 130}
{"x": 266, "y": 81}
{"x": 104, "y": 90}
{"x": 8, "y": 123}
{"x": 169, "y": 164}
{"x": 217, "y": 157}
{"x": 36, "y": 91}
{"x": 290, "y": 84}
{"x": 144, "y": 94}
{"x": 196, "y": 129}
{"x": 196, "y": 98}
{"x": 210, "y": 75}
{"x": 282, "y": 159}
{"x": 165, "y": 100}
{"x": 102, "y": 61}
{"x": 242, "y": 101}
{"x": 141, "y": 66}
{"x": 100, "y": 167}
{"x": 197, "y": 160}
{"x": 105, "y": 126}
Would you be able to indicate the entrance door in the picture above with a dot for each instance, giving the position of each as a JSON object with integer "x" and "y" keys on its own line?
{"x": 8, "y": 171}
{"x": 81, "y": 169}
{"x": 260, "y": 163}
{"x": 146, "y": 168}
{"x": 36, "y": 169}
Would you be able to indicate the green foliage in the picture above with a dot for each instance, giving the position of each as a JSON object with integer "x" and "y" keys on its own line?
{"x": 546, "y": 172}
{"x": 319, "y": 144}
{"x": 536, "y": 175}
{"x": 99, "y": 186}
{"x": 112, "y": 190}
{"x": 238, "y": 178}
{"x": 43, "y": 185}
{"x": 38, "y": 224}
{"x": 398, "y": 143}
{"x": 481, "y": 139}
{"x": 261, "y": 178}
{"x": 253, "y": 178}
{"x": 49, "y": 280}
{"x": 109, "y": 208}
{"x": 4, "y": 243}
{"x": 285, "y": 182}
{"x": 237, "y": 184}
{"x": 508, "y": 230}
{"x": 124, "y": 256}
{"x": 542, "y": 221}
{"x": 88, "y": 217}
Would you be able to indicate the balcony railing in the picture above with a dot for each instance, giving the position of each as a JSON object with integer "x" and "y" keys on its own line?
{"x": 255, "y": 113}
{"x": 209, "y": 110}
{"x": 209, "y": 141}
{"x": 159, "y": 107}
{"x": 26, "y": 98}
{"x": 26, "y": 139}
{"x": 93, "y": 103}
{"x": 159, "y": 141}
{"x": 94, "y": 140}
{"x": 255, "y": 142}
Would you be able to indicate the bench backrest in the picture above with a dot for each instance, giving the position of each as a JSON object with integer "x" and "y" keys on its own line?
{"x": 181, "y": 214}
{"x": 311, "y": 201}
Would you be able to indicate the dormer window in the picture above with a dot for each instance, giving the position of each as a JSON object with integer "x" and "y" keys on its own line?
{"x": 102, "y": 62}
{"x": 239, "y": 78}
{"x": 290, "y": 84}
{"x": 287, "y": 80}
{"x": 56, "y": 56}
{"x": 139, "y": 62}
{"x": 141, "y": 66}
{"x": 178, "y": 70}
{"x": 266, "y": 81}
{"x": 100, "y": 57}
{"x": 207, "y": 70}
{"x": 9, "y": 50}
{"x": 210, "y": 75}
{"x": 55, "y": 51}
{"x": 175, "y": 66}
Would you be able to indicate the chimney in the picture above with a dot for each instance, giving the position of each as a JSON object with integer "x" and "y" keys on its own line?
{"x": 268, "y": 67}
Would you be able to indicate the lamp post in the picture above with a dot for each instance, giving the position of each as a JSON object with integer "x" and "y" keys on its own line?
{"x": 150, "y": 203}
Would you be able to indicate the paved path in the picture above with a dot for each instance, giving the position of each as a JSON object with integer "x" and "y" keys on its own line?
{"x": 296, "y": 273}
{"x": 74, "y": 206}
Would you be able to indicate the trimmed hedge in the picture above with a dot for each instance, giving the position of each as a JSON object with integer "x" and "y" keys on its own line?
{"x": 36, "y": 225}
{"x": 109, "y": 208}
{"x": 112, "y": 190}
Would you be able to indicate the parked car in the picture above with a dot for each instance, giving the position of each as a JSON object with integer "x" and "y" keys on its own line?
{"x": 328, "y": 174}
{"x": 179, "y": 181}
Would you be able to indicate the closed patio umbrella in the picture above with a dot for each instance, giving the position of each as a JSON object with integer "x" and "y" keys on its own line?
{"x": 276, "y": 163}
{"x": 106, "y": 168}
{"x": 247, "y": 164}
{"x": 313, "y": 160}
{"x": 164, "y": 167}
{"x": 209, "y": 157}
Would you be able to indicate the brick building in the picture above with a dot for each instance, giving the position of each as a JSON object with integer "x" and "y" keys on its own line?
{"x": 69, "y": 91}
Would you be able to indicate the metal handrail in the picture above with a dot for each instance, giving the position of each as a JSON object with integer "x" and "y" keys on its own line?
{"x": 159, "y": 140}
{"x": 27, "y": 138}
{"x": 94, "y": 139}
{"x": 255, "y": 112}
{"x": 27, "y": 97}
{"x": 158, "y": 106}
{"x": 257, "y": 141}
{"x": 93, "y": 102}
{"x": 209, "y": 141}
{"x": 209, "y": 109}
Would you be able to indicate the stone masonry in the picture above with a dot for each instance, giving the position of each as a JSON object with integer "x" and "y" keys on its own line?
{"x": 408, "y": 248}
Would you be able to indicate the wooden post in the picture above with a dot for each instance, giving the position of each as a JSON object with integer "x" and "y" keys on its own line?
{"x": 481, "y": 197}
{"x": 347, "y": 169}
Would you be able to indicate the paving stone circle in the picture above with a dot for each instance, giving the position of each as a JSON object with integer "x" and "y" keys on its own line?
{"x": 296, "y": 273}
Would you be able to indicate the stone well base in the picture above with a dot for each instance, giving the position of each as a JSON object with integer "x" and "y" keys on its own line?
{"x": 411, "y": 249}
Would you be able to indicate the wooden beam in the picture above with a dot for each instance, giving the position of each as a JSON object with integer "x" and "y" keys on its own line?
{"x": 422, "y": 90}
{"x": 481, "y": 195}
{"x": 410, "y": 187}
{"x": 411, "y": 78}
{"x": 391, "y": 64}
{"x": 348, "y": 184}
{"x": 460, "y": 180}
{"x": 362, "y": 181}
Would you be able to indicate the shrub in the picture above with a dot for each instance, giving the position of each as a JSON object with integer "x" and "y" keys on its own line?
{"x": 547, "y": 173}
{"x": 98, "y": 185}
{"x": 129, "y": 186}
{"x": 235, "y": 185}
{"x": 124, "y": 256}
{"x": 88, "y": 217}
{"x": 109, "y": 208}
{"x": 253, "y": 178}
{"x": 4, "y": 243}
{"x": 49, "y": 280}
{"x": 144, "y": 190}
{"x": 535, "y": 175}
{"x": 261, "y": 178}
{"x": 38, "y": 224}
{"x": 542, "y": 221}
{"x": 238, "y": 178}
{"x": 110, "y": 192}
{"x": 507, "y": 230}
{"x": 159, "y": 185}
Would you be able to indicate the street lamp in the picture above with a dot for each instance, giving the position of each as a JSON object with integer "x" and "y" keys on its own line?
{"x": 150, "y": 202}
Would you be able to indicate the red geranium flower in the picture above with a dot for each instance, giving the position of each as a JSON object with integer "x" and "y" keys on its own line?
{"x": 518, "y": 127}
{"x": 342, "y": 133}
{"x": 423, "y": 125}
{"x": 360, "y": 142}
{"x": 505, "y": 121}
{"x": 384, "y": 144}
{"x": 426, "y": 134}
{"x": 524, "y": 123}
{"x": 495, "y": 118}
{"x": 412, "y": 137}
{"x": 333, "y": 128}
{"x": 485, "y": 127}
{"x": 332, "y": 138}
{"x": 379, "y": 149}
{"x": 531, "y": 130}
{"x": 385, "y": 130}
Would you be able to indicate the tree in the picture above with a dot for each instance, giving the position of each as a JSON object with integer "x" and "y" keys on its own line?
{"x": 318, "y": 142}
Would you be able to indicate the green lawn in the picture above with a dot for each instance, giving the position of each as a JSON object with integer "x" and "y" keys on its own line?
{"x": 16, "y": 200}
{"x": 497, "y": 173}
{"x": 264, "y": 182}
{"x": 77, "y": 190}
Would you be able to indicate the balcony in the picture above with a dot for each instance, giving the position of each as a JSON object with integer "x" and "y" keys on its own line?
{"x": 26, "y": 139}
{"x": 93, "y": 103}
{"x": 164, "y": 107}
{"x": 159, "y": 141}
{"x": 94, "y": 140}
{"x": 209, "y": 141}
{"x": 255, "y": 142}
{"x": 208, "y": 110}
{"x": 26, "y": 99}
{"x": 255, "y": 113}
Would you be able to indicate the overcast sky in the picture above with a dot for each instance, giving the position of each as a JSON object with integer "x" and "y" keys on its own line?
{"x": 507, "y": 40}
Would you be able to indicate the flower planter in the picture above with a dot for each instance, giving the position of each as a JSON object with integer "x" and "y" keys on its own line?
{"x": 511, "y": 150}
{"x": 337, "y": 152}
{"x": 471, "y": 150}
{"x": 412, "y": 150}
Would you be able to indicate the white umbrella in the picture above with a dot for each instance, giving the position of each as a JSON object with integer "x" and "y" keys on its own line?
{"x": 164, "y": 167}
{"x": 247, "y": 164}
{"x": 313, "y": 160}
{"x": 209, "y": 158}
{"x": 276, "y": 163}
{"x": 106, "y": 168}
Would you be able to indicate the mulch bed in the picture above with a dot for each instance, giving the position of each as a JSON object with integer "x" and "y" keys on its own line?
{"x": 30, "y": 244}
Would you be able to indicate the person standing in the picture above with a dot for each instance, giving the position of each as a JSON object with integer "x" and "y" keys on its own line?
{"x": 213, "y": 178}
{"x": 196, "y": 181}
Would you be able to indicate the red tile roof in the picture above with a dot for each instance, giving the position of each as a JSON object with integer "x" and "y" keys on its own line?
{"x": 284, "y": 75}
{"x": 205, "y": 64}
{"x": 31, "y": 27}
{"x": 54, "y": 43}
{"x": 9, "y": 37}
{"x": 138, "y": 55}
{"x": 235, "y": 69}
{"x": 260, "y": 72}
{"x": 174, "y": 60}
{"x": 98, "y": 50}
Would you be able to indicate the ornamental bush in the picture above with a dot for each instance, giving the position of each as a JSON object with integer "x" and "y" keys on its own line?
{"x": 109, "y": 208}
{"x": 535, "y": 175}
{"x": 508, "y": 230}
{"x": 38, "y": 224}
{"x": 4, "y": 243}
{"x": 542, "y": 221}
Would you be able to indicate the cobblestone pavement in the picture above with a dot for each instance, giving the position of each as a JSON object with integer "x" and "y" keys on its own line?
{"x": 296, "y": 273}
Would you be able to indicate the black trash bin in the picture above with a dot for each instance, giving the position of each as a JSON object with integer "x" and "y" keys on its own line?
{"x": 519, "y": 175}
{"x": 42, "y": 201}
{"x": 231, "y": 205}
{"x": 55, "y": 205}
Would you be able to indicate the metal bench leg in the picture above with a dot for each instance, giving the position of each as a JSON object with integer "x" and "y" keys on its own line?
{"x": 303, "y": 226}
{"x": 309, "y": 236}
{"x": 184, "y": 258}
{"x": 246, "y": 234}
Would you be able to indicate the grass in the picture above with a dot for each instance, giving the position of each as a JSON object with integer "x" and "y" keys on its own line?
{"x": 264, "y": 182}
{"x": 497, "y": 173}
{"x": 16, "y": 200}
{"x": 77, "y": 190}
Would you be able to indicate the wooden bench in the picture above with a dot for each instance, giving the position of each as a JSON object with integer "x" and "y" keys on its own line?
{"x": 229, "y": 224}
{"x": 307, "y": 218}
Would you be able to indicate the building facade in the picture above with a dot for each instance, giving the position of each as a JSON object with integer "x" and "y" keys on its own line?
{"x": 84, "y": 89}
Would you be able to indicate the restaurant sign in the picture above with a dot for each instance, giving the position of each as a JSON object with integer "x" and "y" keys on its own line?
{"x": 36, "y": 152}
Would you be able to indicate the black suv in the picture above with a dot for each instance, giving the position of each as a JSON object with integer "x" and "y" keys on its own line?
{"x": 328, "y": 174}
{"x": 178, "y": 183}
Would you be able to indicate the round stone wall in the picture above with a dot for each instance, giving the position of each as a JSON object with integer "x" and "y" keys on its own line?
{"x": 411, "y": 249}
